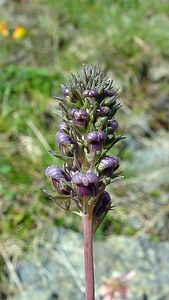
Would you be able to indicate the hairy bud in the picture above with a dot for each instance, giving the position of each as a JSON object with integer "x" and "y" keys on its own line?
{"x": 80, "y": 117}
{"x": 112, "y": 126}
{"x": 59, "y": 179}
{"x": 86, "y": 184}
{"x": 96, "y": 140}
{"x": 108, "y": 165}
{"x": 66, "y": 144}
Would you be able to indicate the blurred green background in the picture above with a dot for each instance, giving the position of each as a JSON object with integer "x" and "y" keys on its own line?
{"x": 129, "y": 39}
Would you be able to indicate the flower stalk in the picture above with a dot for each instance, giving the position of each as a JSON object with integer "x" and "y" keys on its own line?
{"x": 88, "y": 256}
{"x": 86, "y": 134}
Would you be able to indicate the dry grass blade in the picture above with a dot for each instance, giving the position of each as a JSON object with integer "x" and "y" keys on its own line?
{"x": 38, "y": 134}
{"x": 151, "y": 223}
{"x": 11, "y": 269}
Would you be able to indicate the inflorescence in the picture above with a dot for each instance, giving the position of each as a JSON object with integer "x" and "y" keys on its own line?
{"x": 85, "y": 136}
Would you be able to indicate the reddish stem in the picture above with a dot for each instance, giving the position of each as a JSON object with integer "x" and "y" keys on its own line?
{"x": 88, "y": 256}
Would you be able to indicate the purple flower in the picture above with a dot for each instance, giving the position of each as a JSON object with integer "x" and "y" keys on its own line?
{"x": 66, "y": 91}
{"x": 102, "y": 111}
{"x": 66, "y": 143}
{"x": 80, "y": 117}
{"x": 86, "y": 184}
{"x": 108, "y": 165}
{"x": 63, "y": 138}
{"x": 90, "y": 93}
{"x": 59, "y": 179}
{"x": 54, "y": 172}
{"x": 96, "y": 140}
{"x": 63, "y": 126}
{"x": 112, "y": 126}
{"x": 102, "y": 205}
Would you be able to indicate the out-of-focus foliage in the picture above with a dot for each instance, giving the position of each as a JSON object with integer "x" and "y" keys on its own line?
{"x": 129, "y": 39}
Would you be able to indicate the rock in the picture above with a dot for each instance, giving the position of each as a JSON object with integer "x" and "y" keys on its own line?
{"x": 28, "y": 272}
{"x": 152, "y": 160}
{"x": 159, "y": 71}
{"x": 54, "y": 270}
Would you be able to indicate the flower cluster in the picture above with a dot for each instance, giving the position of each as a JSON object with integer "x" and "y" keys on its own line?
{"x": 86, "y": 134}
{"x": 16, "y": 33}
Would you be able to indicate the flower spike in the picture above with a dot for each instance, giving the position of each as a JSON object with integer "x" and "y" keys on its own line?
{"x": 88, "y": 130}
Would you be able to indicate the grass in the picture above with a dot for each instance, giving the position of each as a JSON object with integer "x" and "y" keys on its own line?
{"x": 127, "y": 38}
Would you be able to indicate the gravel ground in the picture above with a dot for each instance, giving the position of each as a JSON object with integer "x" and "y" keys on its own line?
{"x": 54, "y": 268}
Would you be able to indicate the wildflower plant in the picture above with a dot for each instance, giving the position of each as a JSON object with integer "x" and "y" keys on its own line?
{"x": 117, "y": 287}
{"x": 86, "y": 134}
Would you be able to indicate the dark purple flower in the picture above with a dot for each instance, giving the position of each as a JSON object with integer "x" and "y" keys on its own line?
{"x": 108, "y": 165}
{"x": 102, "y": 205}
{"x": 66, "y": 143}
{"x": 90, "y": 93}
{"x": 109, "y": 92}
{"x": 112, "y": 126}
{"x": 59, "y": 179}
{"x": 96, "y": 139}
{"x": 86, "y": 184}
{"x": 102, "y": 111}
{"x": 80, "y": 117}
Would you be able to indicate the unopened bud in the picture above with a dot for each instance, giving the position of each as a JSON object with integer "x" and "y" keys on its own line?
{"x": 102, "y": 205}
{"x": 86, "y": 184}
{"x": 96, "y": 140}
{"x": 112, "y": 126}
{"x": 90, "y": 93}
{"x": 80, "y": 117}
{"x": 108, "y": 165}
{"x": 59, "y": 179}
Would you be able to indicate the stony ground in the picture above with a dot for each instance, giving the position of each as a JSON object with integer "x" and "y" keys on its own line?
{"x": 54, "y": 267}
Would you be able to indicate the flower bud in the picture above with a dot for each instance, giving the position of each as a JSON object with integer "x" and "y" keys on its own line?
{"x": 90, "y": 93}
{"x": 80, "y": 117}
{"x": 96, "y": 140}
{"x": 86, "y": 184}
{"x": 63, "y": 126}
{"x": 66, "y": 91}
{"x": 109, "y": 92}
{"x": 101, "y": 123}
{"x": 66, "y": 144}
{"x": 108, "y": 165}
{"x": 109, "y": 101}
{"x": 112, "y": 126}
{"x": 102, "y": 205}
{"x": 102, "y": 111}
{"x": 59, "y": 179}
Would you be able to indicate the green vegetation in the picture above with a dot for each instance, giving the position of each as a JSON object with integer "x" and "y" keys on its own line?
{"x": 129, "y": 39}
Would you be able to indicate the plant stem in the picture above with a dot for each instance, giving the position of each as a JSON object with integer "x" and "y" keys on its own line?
{"x": 88, "y": 256}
